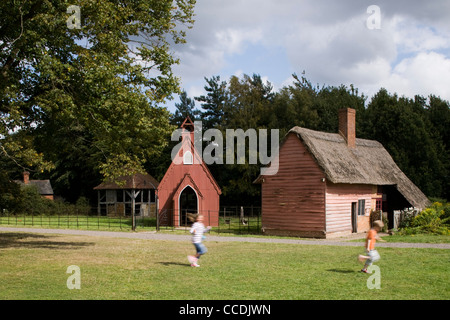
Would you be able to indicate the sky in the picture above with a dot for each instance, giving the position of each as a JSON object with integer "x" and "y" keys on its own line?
{"x": 400, "y": 45}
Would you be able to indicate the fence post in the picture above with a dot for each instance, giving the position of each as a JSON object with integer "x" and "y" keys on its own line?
{"x": 157, "y": 216}
{"x": 248, "y": 219}
{"x": 218, "y": 222}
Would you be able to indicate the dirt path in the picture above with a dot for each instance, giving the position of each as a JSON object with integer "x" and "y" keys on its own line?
{"x": 173, "y": 237}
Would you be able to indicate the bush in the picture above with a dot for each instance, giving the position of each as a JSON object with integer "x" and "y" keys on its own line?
{"x": 434, "y": 219}
{"x": 407, "y": 216}
{"x": 29, "y": 202}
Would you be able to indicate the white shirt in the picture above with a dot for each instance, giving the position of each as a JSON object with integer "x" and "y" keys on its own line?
{"x": 197, "y": 231}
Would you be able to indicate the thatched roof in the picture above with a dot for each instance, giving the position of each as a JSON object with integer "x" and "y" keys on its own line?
{"x": 367, "y": 163}
{"x": 136, "y": 181}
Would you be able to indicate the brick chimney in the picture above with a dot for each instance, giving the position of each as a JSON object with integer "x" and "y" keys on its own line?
{"x": 26, "y": 177}
{"x": 347, "y": 126}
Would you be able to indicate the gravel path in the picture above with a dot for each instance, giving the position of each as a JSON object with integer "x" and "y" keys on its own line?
{"x": 173, "y": 237}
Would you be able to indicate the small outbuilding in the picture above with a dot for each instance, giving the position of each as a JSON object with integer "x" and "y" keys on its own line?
{"x": 188, "y": 187}
{"x": 327, "y": 184}
{"x": 44, "y": 187}
{"x": 135, "y": 193}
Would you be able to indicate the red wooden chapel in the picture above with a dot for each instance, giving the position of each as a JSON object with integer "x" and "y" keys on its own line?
{"x": 188, "y": 186}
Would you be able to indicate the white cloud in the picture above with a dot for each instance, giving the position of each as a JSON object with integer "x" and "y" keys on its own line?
{"x": 411, "y": 36}
{"x": 424, "y": 74}
{"x": 233, "y": 41}
{"x": 409, "y": 55}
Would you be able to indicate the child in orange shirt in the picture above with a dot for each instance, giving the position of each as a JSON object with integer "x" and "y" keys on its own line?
{"x": 372, "y": 237}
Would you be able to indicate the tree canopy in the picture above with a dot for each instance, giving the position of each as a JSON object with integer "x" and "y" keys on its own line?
{"x": 84, "y": 100}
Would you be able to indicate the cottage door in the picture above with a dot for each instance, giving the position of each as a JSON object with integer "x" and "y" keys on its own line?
{"x": 354, "y": 218}
{"x": 188, "y": 206}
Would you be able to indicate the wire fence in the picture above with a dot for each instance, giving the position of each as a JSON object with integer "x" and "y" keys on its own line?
{"x": 228, "y": 220}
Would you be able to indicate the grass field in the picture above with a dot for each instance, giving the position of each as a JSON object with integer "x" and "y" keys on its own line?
{"x": 33, "y": 266}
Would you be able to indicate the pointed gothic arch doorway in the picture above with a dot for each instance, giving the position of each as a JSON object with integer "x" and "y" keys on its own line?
{"x": 188, "y": 205}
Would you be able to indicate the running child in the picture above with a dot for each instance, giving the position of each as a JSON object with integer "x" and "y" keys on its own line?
{"x": 372, "y": 237}
{"x": 197, "y": 230}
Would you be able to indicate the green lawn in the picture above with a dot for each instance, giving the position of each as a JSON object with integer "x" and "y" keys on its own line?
{"x": 413, "y": 238}
{"x": 33, "y": 266}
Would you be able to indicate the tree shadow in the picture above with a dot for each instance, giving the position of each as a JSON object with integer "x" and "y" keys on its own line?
{"x": 38, "y": 241}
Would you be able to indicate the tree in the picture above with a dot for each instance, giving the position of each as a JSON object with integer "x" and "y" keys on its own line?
{"x": 403, "y": 127}
{"x": 186, "y": 108}
{"x": 101, "y": 84}
{"x": 214, "y": 102}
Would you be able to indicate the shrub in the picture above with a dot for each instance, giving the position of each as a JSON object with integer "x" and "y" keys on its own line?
{"x": 434, "y": 219}
{"x": 407, "y": 216}
{"x": 30, "y": 202}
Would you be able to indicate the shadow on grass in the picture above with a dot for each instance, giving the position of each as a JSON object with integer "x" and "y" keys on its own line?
{"x": 342, "y": 270}
{"x": 29, "y": 240}
{"x": 175, "y": 264}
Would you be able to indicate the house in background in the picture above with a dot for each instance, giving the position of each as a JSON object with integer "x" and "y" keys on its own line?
{"x": 135, "y": 193}
{"x": 188, "y": 186}
{"x": 328, "y": 183}
{"x": 44, "y": 187}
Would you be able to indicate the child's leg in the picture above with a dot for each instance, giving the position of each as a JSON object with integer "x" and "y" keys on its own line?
{"x": 374, "y": 256}
{"x": 201, "y": 250}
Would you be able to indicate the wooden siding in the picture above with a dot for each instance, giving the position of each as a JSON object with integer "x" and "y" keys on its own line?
{"x": 293, "y": 200}
{"x": 339, "y": 198}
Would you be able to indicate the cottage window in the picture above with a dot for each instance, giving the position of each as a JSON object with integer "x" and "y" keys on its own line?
{"x": 379, "y": 205}
{"x": 361, "y": 207}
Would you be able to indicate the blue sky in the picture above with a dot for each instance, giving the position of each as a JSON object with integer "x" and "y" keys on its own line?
{"x": 408, "y": 54}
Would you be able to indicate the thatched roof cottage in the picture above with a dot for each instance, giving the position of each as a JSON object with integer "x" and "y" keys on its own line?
{"x": 328, "y": 183}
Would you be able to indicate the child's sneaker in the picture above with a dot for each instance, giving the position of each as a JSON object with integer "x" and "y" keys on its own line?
{"x": 364, "y": 270}
{"x": 194, "y": 264}
{"x": 191, "y": 259}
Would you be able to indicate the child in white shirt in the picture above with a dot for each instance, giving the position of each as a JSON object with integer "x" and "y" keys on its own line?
{"x": 197, "y": 230}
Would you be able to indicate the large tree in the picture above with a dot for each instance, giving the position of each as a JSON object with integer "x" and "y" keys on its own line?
{"x": 88, "y": 92}
{"x": 213, "y": 103}
{"x": 185, "y": 108}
